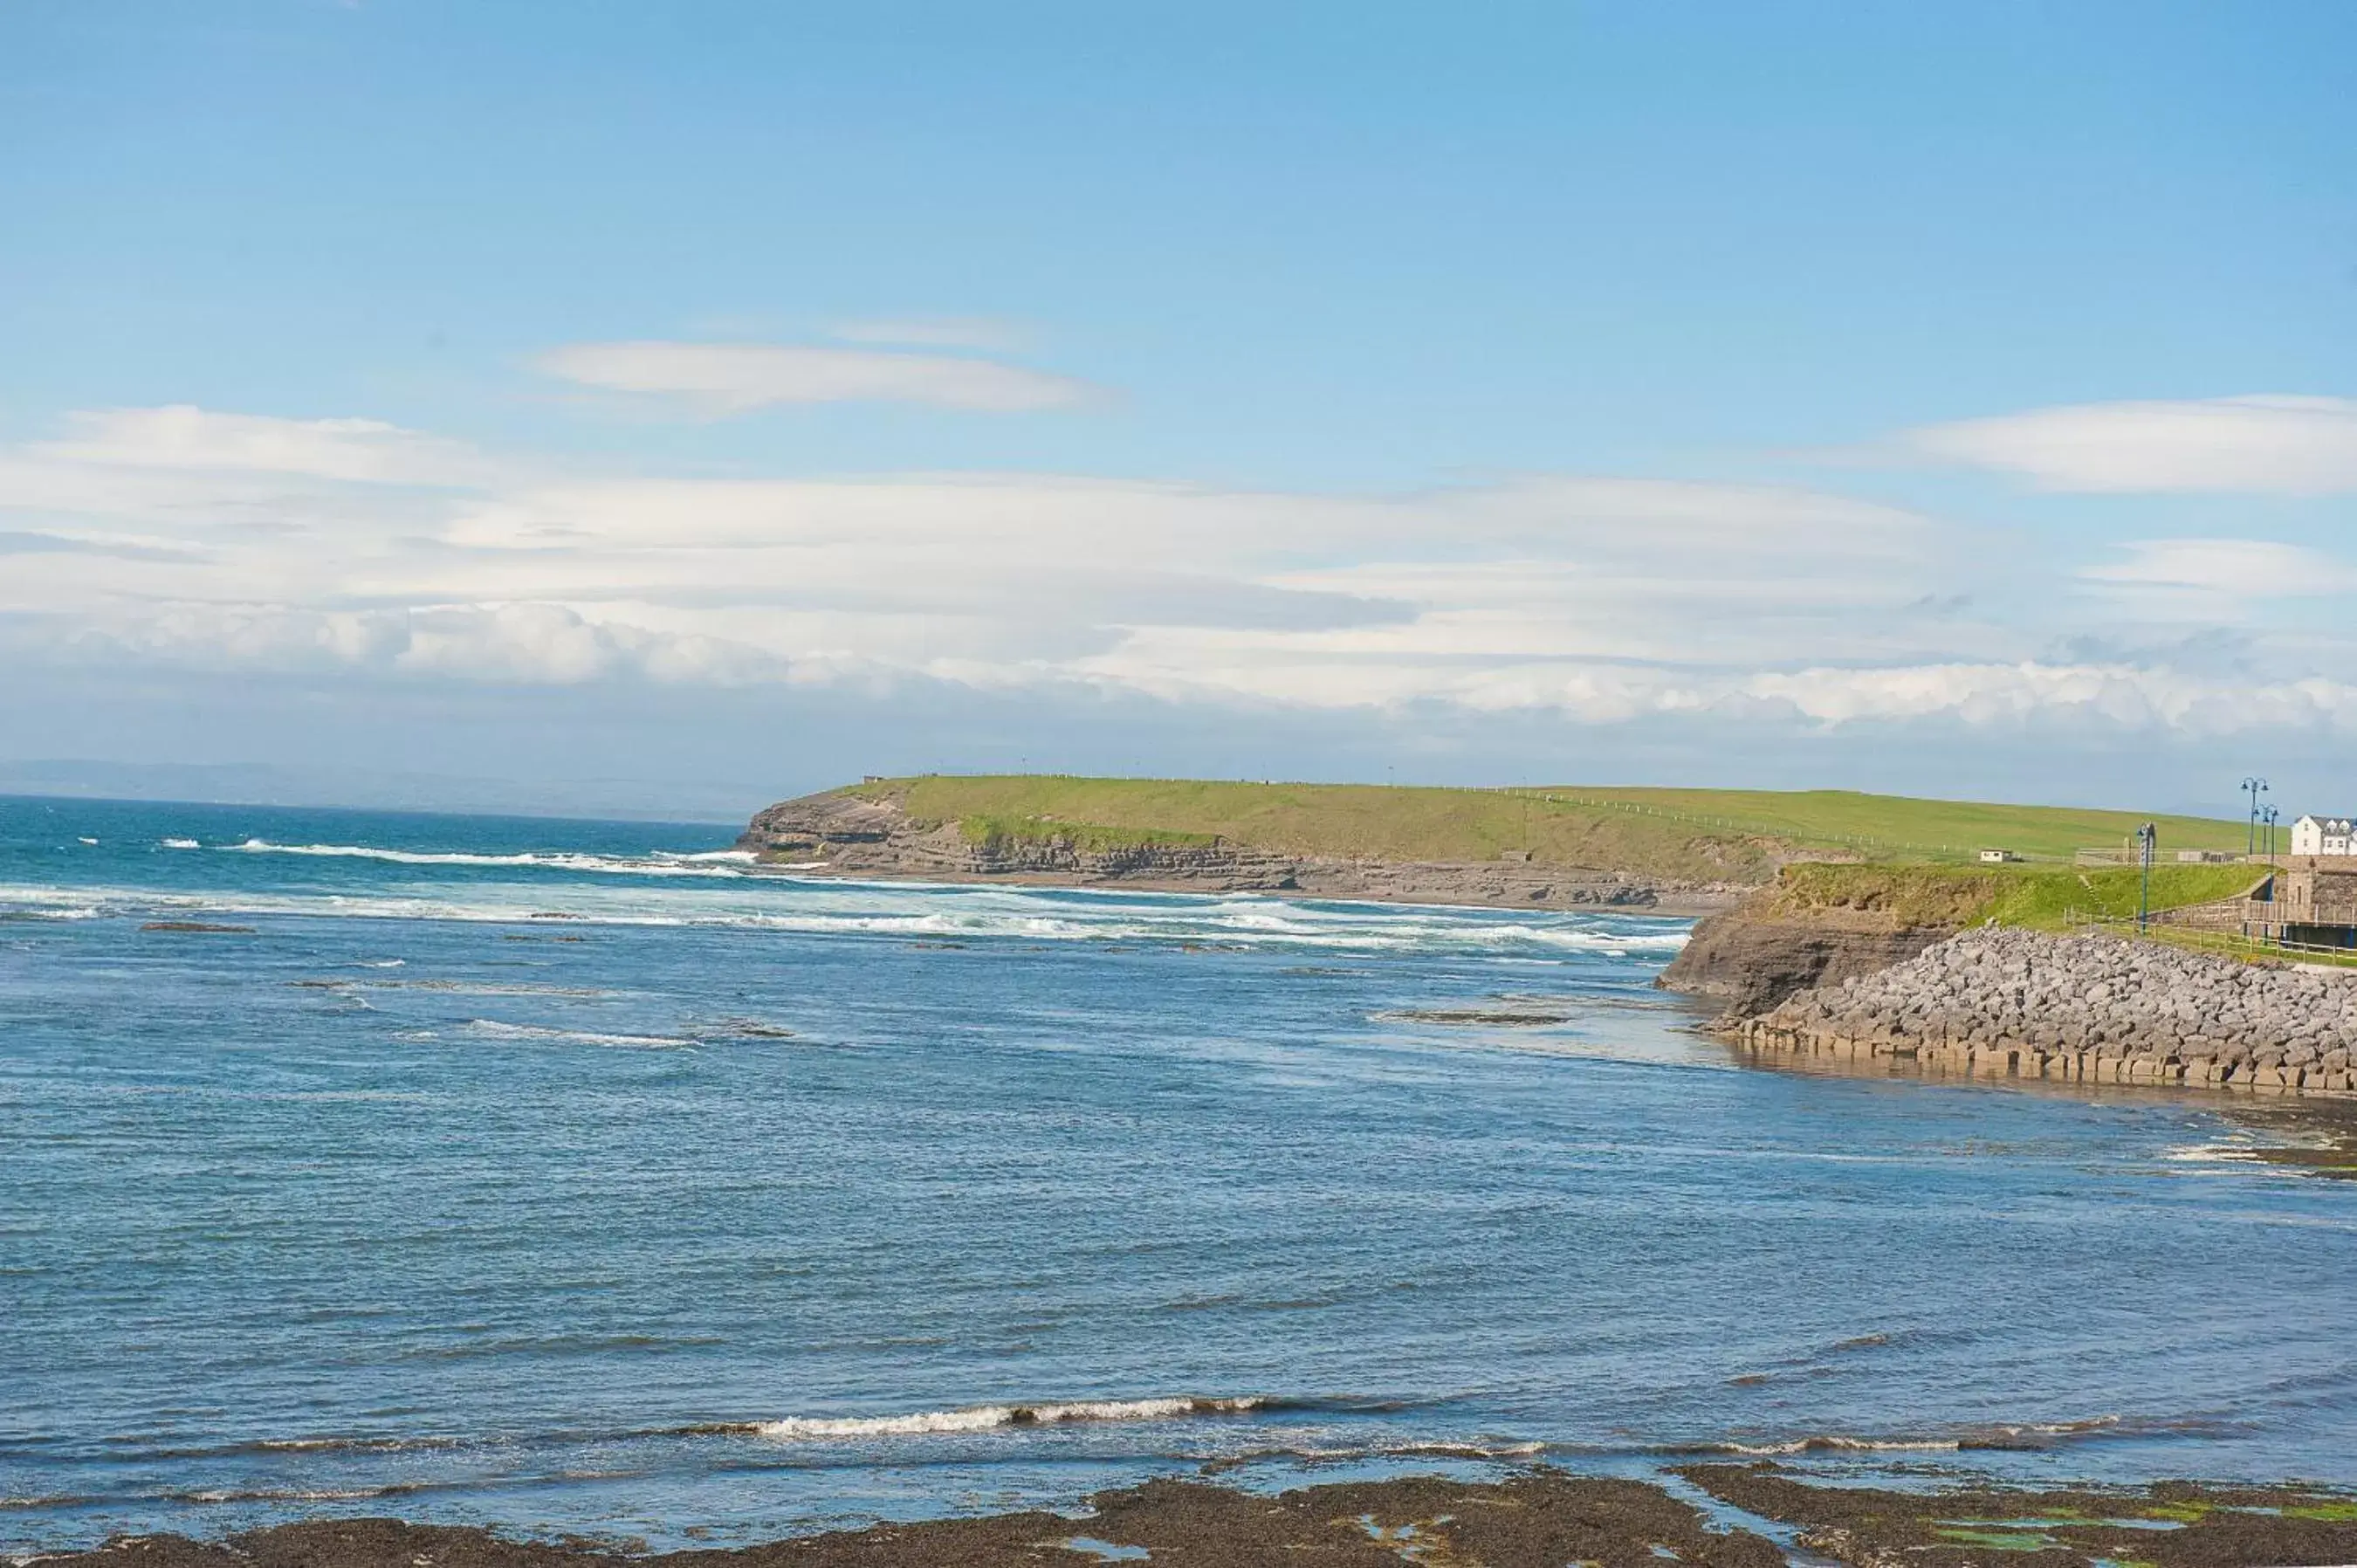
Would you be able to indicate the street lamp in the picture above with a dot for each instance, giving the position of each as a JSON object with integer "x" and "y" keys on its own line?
{"x": 2253, "y": 787}
{"x": 2268, "y": 816}
{"x": 2146, "y": 836}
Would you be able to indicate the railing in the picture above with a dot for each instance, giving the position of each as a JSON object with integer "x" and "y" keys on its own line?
{"x": 2285, "y": 912}
{"x": 2235, "y": 944}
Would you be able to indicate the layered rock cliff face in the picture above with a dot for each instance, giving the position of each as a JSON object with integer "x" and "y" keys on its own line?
{"x": 1751, "y": 961}
{"x": 857, "y": 835}
{"x": 1994, "y": 1003}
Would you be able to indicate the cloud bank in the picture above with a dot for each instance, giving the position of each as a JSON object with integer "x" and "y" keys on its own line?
{"x": 199, "y": 539}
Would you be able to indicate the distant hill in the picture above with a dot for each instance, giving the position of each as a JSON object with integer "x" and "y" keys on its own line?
{"x": 1694, "y": 835}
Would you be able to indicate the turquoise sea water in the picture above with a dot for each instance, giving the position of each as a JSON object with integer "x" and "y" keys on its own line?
{"x": 577, "y": 1177}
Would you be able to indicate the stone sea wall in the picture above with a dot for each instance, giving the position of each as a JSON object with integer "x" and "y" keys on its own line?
{"x": 1994, "y": 1003}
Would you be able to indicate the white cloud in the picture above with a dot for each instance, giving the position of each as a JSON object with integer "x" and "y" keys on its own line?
{"x": 183, "y": 437}
{"x": 2123, "y": 696}
{"x": 2275, "y": 444}
{"x": 516, "y": 644}
{"x": 733, "y": 378}
{"x": 979, "y": 332}
{"x": 308, "y": 546}
{"x": 2226, "y": 569}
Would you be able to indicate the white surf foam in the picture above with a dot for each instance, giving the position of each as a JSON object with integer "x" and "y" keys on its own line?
{"x": 1993, "y": 1436}
{"x": 182, "y": 843}
{"x": 760, "y": 902}
{"x": 295, "y": 1494}
{"x": 661, "y": 862}
{"x": 990, "y": 1417}
{"x": 1842, "y": 1446}
{"x": 2214, "y": 1154}
{"x": 492, "y": 1029}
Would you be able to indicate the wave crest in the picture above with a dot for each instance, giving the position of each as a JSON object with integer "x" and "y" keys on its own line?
{"x": 659, "y": 863}
{"x": 990, "y": 1417}
{"x": 492, "y": 1029}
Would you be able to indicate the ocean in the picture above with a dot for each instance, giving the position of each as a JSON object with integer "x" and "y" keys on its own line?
{"x": 579, "y": 1178}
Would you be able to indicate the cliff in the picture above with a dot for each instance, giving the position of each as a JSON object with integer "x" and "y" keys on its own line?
{"x": 872, "y": 833}
{"x": 1751, "y": 962}
{"x": 1821, "y": 924}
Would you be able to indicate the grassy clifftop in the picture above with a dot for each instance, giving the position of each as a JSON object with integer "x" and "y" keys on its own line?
{"x": 2040, "y": 898}
{"x": 1707, "y": 836}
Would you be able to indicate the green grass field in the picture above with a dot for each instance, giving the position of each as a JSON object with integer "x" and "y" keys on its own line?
{"x": 2049, "y": 898}
{"x": 1735, "y": 835}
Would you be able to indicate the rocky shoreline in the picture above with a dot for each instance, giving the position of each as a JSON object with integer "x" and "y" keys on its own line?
{"x": 1849, "y": 984}
{"x": 849, "y": 835}
{"x": 1991, "y": 1003}
{"x": 1538, "y": 1518}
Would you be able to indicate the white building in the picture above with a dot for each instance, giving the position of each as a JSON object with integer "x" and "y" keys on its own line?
{"x": 2322, "y": 835}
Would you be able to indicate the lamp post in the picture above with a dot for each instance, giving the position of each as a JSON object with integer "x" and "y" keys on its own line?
{"x": 2268, "y": 816}
{"x": 2253, "y": 787}
{"x": 2146, "y": 836}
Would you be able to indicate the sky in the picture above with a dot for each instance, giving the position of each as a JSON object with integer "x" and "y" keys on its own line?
{"x": 598, "y": 406}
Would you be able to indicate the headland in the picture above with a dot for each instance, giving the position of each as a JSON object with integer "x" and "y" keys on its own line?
{"x": 1952, "y": 938}
{"x": 1664, "y": 852}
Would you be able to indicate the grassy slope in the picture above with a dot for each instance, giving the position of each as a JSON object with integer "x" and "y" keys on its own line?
{"x": 1694, "y": 835}
{"x": 2043, "y": 898}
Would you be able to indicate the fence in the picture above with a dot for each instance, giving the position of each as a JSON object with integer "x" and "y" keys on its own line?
{"x": 2230, "y": 943}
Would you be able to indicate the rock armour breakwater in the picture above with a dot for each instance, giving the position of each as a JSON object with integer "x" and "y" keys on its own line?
{"x": 1997, "y": 1003}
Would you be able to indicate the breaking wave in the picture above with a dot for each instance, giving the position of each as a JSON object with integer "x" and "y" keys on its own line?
{"x": 659, "y": 863}
{"x": 492, "y": 1029}
{"x": 1995, "y": 1437}
{"x": 990, "y": 1417}
{"x": 761, "y": 902}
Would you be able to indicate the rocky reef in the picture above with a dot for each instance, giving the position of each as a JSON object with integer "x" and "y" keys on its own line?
{"x": 1541, "y": 1518}
{"x": 849, "y": 833}
{"x": 1538, "y": 1518}
{"x": 2168, "y": 1524}
{"x": 1998, "y": 1003}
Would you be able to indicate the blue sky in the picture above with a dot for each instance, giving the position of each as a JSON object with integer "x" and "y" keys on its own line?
{"x": 721, "y": 400}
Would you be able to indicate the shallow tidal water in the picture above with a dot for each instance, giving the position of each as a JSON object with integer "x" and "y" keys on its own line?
{"x": 575, "y": 1176}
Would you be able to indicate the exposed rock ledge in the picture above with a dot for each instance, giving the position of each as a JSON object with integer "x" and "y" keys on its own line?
{"x": 850, "y": 836}
{"x": 1994, "y": 1003}
{"x": 1751, "y": 962}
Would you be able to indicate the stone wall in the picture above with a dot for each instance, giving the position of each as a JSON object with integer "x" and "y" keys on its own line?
{"x": 1993, "y": 1003}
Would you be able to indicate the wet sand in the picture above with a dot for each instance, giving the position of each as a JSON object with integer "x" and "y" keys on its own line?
{"x": 1540, "y": 1518}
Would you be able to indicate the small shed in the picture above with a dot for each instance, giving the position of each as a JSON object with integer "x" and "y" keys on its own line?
{"x": 1998, "y": 857}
